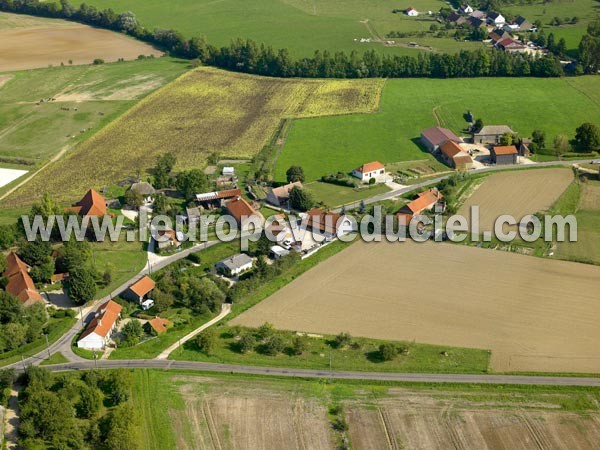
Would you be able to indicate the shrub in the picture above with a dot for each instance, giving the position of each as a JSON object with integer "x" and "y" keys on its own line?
{"x": 388, "y": 351}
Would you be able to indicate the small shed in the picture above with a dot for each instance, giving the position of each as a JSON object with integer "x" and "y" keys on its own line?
{"x": 228, "y": 170}
{"x": 504, "y": 154}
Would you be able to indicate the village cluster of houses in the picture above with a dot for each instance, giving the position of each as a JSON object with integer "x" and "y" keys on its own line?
{"x": 500, "y": 31}
{"x": 100, "y": 330}
{"x": 444, "y": 143}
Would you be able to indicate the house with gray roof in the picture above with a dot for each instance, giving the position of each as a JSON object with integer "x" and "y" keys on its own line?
{"x": 235, "y": 265}
{"x": 491, "y": 134}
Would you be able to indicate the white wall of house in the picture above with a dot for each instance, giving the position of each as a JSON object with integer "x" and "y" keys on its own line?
{"x": 92, "y": 341}
{"x": 379, "y": 175}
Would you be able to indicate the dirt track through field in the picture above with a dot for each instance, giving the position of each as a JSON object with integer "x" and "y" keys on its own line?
{"x": 41, "y": 46}
{"x": 517, "y": 194}
{"x": 534, "y": 314}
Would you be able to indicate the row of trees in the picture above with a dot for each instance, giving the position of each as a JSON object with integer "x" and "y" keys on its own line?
{"x": 245, "y": 55}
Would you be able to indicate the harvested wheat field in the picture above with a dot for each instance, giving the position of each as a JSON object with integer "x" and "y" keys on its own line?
{"x": 442, "y": 420}
{"x": 31, "y": 44}
{"x": 533, "y": 314}
{"x": 242, "y": 417}
{"x": 516, "y": 193}
{"x": 204, "y": 111}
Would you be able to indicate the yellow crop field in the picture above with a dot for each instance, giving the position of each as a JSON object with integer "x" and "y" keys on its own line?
{"x": 202, "y": 112}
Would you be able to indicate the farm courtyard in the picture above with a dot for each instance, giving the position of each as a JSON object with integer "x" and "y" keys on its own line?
{"x": 533, "y": 314}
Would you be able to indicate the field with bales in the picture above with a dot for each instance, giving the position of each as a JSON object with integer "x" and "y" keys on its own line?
{"x": 204, "y": 112}
{"x": 533, "y": 314}
{"x": 28, "y": 43}
{"x": 332, "y": 144}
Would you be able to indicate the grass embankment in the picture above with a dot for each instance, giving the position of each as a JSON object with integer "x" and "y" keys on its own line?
{"x": 56, "y": 328}
{"x": 322, "y": 353}
{"x": 332, "y": 144}
{"x": 582, "y": 200}
{"x": 56, "y": 358}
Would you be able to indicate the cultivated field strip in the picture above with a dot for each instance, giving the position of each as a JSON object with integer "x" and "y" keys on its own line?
{"x": 533, "y": 314}
{"x": 517, "y": 194}
{"x": 203, "y": 112}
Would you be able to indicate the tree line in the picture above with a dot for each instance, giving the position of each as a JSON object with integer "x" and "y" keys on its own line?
{"x": 245, "y": 55}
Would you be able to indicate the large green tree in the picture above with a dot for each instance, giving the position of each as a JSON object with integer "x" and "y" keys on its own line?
{"x": 301, "y": 199}
{"x": 587, "y": 137}
{"x": 82, "y": 286}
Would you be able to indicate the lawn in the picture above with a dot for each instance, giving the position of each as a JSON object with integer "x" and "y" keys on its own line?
{"x": 204, "y": 112}
{"x": 56, "y": 358}
{"x": 299, "y": 25}
{"x": 333, "y": 195}
{"x": 332, "y": 144}
{"x": 361, "y": 355}
{"x": 123, "y": 259}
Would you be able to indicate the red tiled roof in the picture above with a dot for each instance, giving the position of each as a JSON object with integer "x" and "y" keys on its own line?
{"x": 506, "y": 150}
{"x": 450, "y": 149}
{"x": 106, "y": 317}
{"x": 239, "y": 208}
{"x": 143, "y": 286}
{"x": 370, "y": 167}
{"x": 424, "y": 201}
{"x": 92, "y": 204}
{"x": 159, "y": 324}
{"x": 20, "y": 283}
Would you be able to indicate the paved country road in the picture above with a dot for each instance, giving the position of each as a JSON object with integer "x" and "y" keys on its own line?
{"x": 334, "y": 374}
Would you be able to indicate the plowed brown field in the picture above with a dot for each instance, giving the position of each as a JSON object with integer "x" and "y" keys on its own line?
{"x": 518, "y": 194}
{"x": 534, "y": 314}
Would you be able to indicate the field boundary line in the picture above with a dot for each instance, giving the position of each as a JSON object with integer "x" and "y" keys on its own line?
{"x": 393, "y": 445}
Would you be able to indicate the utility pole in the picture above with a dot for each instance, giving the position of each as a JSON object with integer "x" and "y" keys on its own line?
{"x": 81, "y": 315}
{"x": 23, "y": 362}
{"x": 47, "y": 345}
{"x": 95, "y": 359}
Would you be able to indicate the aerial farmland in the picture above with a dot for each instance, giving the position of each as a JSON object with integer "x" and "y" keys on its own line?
{"x": 246, "y": 224}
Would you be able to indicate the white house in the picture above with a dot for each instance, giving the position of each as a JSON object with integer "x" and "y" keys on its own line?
{"x": 228, "y": 171}
{"x": 496, "y": 19}
{"x": 370, "y": 170}
{"x": 465, "y": 9}
{"x": 99, "y": 330}
{"x": 412, "y": 12}
{"x": 235, "y": 265}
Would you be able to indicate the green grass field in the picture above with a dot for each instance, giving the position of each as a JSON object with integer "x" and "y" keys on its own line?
{"x": 302, "y": 26}
{"x": 332, "y": 144}
{"x": 332, "y": 195}
{"x": 584, "y": 202}
{"x": 362, "y": 356}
